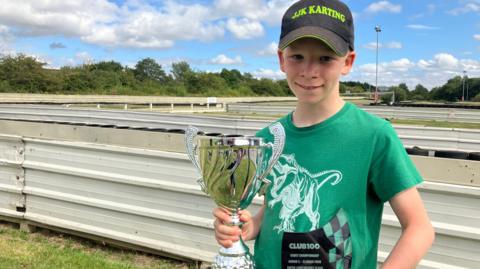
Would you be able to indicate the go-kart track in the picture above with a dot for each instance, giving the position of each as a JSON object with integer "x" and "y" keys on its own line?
{"x": 467, "y": 140}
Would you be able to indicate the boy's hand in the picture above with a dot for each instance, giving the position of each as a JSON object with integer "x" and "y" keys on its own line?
{"x": 225, "y": 234}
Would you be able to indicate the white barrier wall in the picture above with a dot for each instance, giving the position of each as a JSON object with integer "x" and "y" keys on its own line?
{"x": 150, "y": 198}
{"x": 12, "y": 199}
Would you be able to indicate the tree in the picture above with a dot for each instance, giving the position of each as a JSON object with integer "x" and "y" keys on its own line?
{"x": 76, "y": 79}
{"x": 401, "y": 93}
{"x": 148, "y": 68}
{"x": 283, "y": 84}
{"x": 24, "y": 74}
{"x": 181, "y": 71}
{"x": 419, "y": 93}
{"x": 476, "y": 98}
{"x": 404, "y": 87}
{"x": 111, "y": 66}
{"x": 355, "y": 86}
{"x": 232, "y": 77}
{"x": 210, "y": 84}
{"x": 451, "y": 91}
{"x": 473, "y": 87}
{"x": 266, "y": 87}
{"x": 386, "y": 98}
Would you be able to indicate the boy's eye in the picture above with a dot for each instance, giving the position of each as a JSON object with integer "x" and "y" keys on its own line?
{"x": 296, "y": 57}
{"x": 325, "y": 59}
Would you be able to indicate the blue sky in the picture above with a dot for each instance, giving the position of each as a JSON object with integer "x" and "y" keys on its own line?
{"x": 421, "y": 41}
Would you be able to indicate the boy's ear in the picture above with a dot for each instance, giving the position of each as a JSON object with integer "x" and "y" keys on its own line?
{"x": 281, "y": 60}
{"x": 349, "y": 60}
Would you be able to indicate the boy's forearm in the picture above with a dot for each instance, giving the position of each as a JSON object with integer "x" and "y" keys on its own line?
{"x": 412, "y": 245}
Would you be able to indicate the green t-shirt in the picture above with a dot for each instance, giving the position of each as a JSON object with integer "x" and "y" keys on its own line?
{"x": 334, "y": 176}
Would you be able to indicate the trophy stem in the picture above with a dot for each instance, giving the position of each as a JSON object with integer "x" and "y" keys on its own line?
{"x": 235, "y": 219}
{"x": 237, "y": 256}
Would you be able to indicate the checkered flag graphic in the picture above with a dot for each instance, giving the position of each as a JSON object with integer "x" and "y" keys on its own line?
{"x": 338, "y": 232}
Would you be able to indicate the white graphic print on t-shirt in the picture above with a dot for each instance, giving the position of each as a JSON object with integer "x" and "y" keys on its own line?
{"x": 300, "y": 196}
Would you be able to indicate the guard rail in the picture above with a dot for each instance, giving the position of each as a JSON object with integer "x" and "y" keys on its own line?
{"x": 467, "y": 140}
{"x": 149, "y": 198}
{"x": 445, "y": 114}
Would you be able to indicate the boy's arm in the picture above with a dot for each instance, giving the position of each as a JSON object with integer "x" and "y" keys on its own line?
{"x": 417, "y": 231}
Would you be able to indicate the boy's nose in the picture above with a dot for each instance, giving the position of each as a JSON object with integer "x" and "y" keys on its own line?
{"x": 311, "y": 69}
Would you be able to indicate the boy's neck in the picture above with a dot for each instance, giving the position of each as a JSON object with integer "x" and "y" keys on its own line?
{"x": 310, "y": 114}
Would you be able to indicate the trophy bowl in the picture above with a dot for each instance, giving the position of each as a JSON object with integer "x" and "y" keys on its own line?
{"x": 232, "y": 171}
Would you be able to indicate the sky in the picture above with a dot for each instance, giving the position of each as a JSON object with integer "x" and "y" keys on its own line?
{"x": 422, "y": 42}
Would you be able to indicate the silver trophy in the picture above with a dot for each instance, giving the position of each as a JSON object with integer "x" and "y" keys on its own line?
{"x": 233, "y": 170}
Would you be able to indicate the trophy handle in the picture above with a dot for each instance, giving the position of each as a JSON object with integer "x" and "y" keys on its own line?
{"x": 190, "y": 135}
{"x": 278, "y": 133}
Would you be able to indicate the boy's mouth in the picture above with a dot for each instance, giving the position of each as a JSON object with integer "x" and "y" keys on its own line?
{"x": 307, "y": 87}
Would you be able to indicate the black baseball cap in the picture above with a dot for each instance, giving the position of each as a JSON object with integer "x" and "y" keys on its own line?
{"x": 327, "y": 20}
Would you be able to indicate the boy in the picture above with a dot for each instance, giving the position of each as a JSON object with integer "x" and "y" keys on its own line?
{"x": 339, "y": 165}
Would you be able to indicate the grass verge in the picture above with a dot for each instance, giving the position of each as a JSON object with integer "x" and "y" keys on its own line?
{"x": 439, "y": 124}
{"x": 49, "y": 250}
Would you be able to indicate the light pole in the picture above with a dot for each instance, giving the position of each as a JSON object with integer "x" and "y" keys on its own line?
{"x": 463, "y": 87}
{"x": 378, "y": 30}
{"x": 468, "y": 97}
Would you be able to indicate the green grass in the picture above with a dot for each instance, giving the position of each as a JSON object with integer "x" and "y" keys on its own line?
{"x": 47, "y": 250}
{"x": 424, "y": 123}
{"x": 433, "y": 123}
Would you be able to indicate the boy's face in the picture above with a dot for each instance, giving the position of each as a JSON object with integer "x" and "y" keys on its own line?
{"x": 313, "y": 70}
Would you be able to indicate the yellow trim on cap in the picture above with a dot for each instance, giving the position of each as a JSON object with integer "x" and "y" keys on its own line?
{"x": 316, "y": 37}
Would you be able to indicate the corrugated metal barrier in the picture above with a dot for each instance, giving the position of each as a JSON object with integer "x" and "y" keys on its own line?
{"x": 12, "y": 199}
{"x": 149, "y": 198}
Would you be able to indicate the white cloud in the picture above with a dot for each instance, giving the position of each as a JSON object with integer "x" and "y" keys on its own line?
{"x": 268, "y": 73}
{"x": 423, "y": 64}
{"x": 145, "y": 26}
{"x": 421, "y": 27}
{"x": 70, "y": 17}
{"x": 390, "y": 45}
{"x": 476, "y": 37}
{"x": 401, "y": 65}
{"x": 6, "y": 39}
{"x": 3, "y": 29}
{"x": 394, "y": 45}
{"x": 383, "y": 6}
{"x": 431, "y": 8}
{"x": 251, "y": 9}
{"x": 141, "y": 23}
{"x": 270, "y": 50}
{"x": 470, "y": 6}
{"x": 245, "y": 28}
{"x": 224, "y": 60}
{"x": 270, "y": 12}
{"x": 446, "y": 61}
{"x": 83, "y": 58}
{"x": 372, "y": 45}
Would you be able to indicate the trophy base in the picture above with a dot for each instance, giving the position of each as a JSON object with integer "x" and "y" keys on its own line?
{"x": 235, "y": 257}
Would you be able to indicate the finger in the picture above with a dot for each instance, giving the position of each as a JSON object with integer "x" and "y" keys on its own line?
{"x": 222, "y": 215}
{"x": 245, "y": 215}
{"x": 225, "y": 243}
{"x": 226, "y": 240}
{"x": 226, "y": 229}
{"x": 233, "y": 238}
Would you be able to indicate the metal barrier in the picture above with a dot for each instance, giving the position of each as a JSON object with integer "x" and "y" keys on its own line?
{"x": 443, "y": 114}
{"x": 149, "y": 198}
{"x": 425, "y": 137}
{"x": 12, "y": 199}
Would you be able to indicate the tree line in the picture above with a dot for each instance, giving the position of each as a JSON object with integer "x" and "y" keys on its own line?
{"x": 25, "y": 74}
